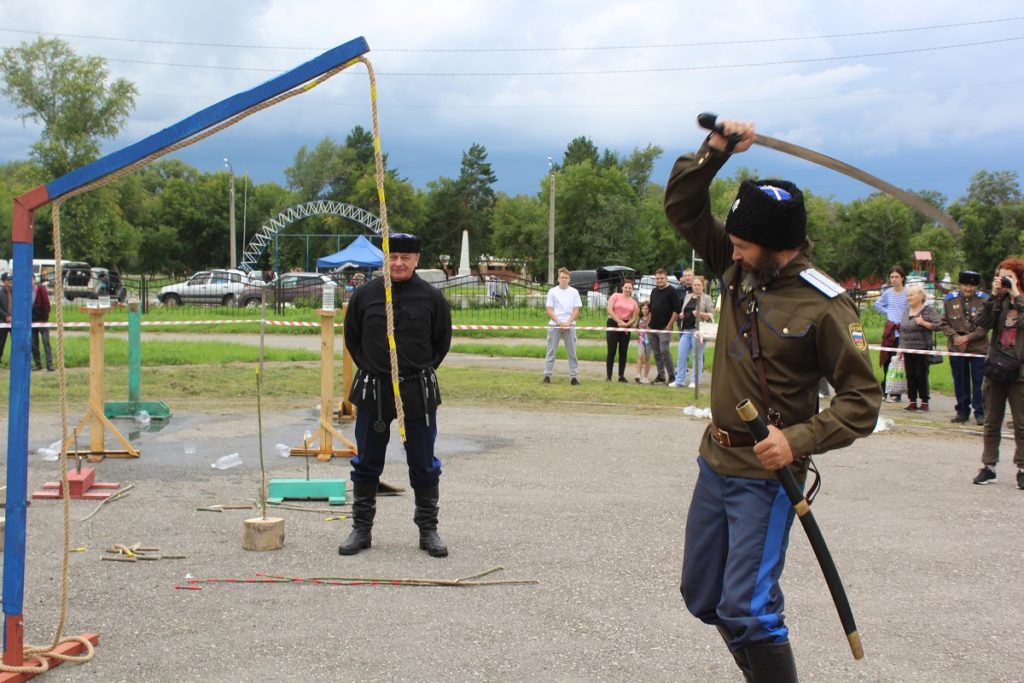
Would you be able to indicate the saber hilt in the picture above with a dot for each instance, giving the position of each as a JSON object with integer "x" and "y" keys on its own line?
{"x": 710, "y": 122}
{"x": 759, "y": 430}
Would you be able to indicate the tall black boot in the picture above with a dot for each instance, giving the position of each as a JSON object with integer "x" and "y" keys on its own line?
{"x": 426, "y": 520}
{"x": 771, "y": 663}
{"x": 364, "y": 508}
{"x": 739, "y": 655}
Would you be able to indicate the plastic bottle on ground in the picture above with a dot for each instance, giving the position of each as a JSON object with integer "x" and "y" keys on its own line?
{"x": 227, "y": 461}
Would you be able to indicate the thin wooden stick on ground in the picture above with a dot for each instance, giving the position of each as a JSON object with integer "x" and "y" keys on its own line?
{"x": 120, "y": 494}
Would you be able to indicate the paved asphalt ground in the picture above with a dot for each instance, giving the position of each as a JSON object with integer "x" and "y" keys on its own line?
{"x": 591, "y": 504}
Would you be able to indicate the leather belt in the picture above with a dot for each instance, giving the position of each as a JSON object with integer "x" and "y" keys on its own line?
{"x": 730, "y": 440}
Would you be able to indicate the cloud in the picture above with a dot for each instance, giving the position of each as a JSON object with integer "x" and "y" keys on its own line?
{"x": 767, "y": 62}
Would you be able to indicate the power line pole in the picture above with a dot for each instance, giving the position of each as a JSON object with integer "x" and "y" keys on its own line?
{"x": 551, "y": 224}
{"x": 231, "y": 211}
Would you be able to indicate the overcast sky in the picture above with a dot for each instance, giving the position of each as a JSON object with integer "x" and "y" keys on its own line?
{"x": 921, "y": 93}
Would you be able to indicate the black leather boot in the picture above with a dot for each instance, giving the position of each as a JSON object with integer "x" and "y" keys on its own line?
{"x": 771, "y": 663}
{"x": 426, "y": 520}
{"x": 739, "y": 655}
{"x": 364, "y": 508}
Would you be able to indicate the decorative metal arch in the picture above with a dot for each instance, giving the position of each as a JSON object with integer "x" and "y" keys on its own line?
{"x": 321, "y": 207}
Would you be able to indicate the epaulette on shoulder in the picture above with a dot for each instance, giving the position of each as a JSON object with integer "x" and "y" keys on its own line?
{"x": 821, "y": 282}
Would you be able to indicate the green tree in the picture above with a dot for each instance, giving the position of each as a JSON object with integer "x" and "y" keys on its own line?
{"x": 579, "y": 150}
{"x": 446, "y": 217}
{"x": 990, "y": 216}
{"x": 70, "y": 96}
{"x": 639, "y": 166}
{"x": 520, "y": 232}
{"x": 77, "y": 106}
{"x": 476, "y": 188}
{"x": 595, "y": 212}
{"x": 879, "y": 230}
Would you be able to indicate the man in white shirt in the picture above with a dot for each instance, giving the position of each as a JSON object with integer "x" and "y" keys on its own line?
{"x": 563, "y": 306}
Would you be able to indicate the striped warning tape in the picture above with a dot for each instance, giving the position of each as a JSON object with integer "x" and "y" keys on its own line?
{"x": 467, "y": 328}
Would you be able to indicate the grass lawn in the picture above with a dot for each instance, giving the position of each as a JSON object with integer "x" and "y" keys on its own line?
{"x": 207, "y": 372}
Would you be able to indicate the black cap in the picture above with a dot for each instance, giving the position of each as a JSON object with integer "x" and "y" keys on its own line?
{"x": 5, "y": 277}
{"x": 404, "y": 243}
{"x": 969, "y": 277}
{"x": 769, "y": 213}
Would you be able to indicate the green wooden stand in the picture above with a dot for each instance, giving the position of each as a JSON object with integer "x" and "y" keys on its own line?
{"x": 307, "y": 489}
{"x": 157, "y": 410}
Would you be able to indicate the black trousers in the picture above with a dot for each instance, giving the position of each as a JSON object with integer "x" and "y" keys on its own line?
{"x": 424, "y": 467}
{"x": 617, "y": 341}
{"x": 917, "y": 376}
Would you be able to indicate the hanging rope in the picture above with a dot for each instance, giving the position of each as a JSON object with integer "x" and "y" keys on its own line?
{"x": 378, "y": 162}
{"x": 41, "y": 653}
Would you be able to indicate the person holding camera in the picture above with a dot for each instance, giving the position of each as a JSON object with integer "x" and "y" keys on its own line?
{"x": 1004, "y": 315}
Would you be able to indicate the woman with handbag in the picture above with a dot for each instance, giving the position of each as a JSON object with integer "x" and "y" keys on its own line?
{"x": 892, "y": 304}
{"x": 697, "y": 308}
{"x": 917, "y": 332}
{"x": 1004, "y": 315}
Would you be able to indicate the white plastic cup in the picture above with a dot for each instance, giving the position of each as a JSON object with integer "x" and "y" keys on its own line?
{"x": 227, "y": 461}
{"x": 142, "y": 417}
{"x": 284, "y": 450}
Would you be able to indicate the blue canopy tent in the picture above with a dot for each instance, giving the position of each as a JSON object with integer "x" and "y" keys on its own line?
{"x": 361, "y": 253}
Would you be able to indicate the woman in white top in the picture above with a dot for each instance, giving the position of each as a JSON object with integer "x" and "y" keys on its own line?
{"x": 697, "y": 308}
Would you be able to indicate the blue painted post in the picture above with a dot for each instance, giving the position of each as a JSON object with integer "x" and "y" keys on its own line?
{"x": 17, "y": 453}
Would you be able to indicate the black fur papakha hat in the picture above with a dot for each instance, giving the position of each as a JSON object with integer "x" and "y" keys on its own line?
{"x": 769, "y": 213}
{"x": 969, "y": 277}
{"x": 404, "y": 243}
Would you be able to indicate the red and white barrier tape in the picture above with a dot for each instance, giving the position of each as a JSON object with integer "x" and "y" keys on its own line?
{"x": 469, "y": 328}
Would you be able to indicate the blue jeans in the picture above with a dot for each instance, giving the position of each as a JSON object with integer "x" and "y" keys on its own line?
{"x": 688, "y": 343}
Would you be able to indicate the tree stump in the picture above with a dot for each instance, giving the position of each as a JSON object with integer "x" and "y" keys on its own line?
{"x": 263, "y": 534}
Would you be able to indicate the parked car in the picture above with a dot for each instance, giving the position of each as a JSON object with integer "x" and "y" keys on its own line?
{"x": 288, "y": 288}
{"x": 215, "y": 287}
{"x": 643, "y": 289}
{"x": 82, "y": 281}
{"x": 608, "y": 279}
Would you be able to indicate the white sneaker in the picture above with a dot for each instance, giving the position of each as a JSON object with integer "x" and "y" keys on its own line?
{"x": 676, "y": 385}
{"x": 692, "y": 385}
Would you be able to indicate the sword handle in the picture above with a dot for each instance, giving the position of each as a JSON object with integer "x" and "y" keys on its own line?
{"x": 709, "y": 121}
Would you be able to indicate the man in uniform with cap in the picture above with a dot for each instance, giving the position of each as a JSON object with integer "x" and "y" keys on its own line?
{"x": 423, "y": 335}
{"x": 784, "y": 325}
{"x": 959, "y": 324}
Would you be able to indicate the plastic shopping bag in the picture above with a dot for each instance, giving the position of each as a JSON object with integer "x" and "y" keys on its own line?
{"x": 896, "y": 376}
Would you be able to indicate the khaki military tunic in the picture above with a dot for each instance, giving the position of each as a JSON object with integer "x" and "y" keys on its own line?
{"x": 808, "y": 328}
{"x": 960, "y": 317}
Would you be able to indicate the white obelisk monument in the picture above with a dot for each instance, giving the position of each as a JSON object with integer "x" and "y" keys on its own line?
{"x": 464, "y": 258}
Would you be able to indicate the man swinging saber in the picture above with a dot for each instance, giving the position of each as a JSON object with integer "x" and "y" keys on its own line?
{"x": 784, "y": 326}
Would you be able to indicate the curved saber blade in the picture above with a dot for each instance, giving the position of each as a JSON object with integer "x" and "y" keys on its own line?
{"x": 710, "y": 122}
{"x": 907, "y": 198}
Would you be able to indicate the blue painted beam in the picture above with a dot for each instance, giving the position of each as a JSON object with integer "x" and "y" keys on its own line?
{"x": 207, "y": 118}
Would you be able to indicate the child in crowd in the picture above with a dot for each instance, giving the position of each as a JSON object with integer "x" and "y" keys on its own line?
{"x": 643, "y": 349}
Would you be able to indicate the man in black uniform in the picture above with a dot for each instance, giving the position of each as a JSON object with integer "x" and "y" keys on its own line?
{"x": 783, "y": 326}
{"x": 423, "y": 335}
